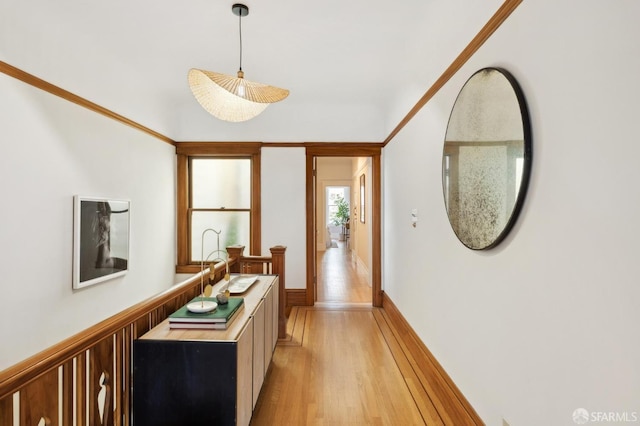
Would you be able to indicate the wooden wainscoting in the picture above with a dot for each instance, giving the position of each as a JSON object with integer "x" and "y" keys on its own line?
{"x": 87, "y": 379}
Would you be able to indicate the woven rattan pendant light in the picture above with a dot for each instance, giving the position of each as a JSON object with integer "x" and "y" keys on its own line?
{"x": 232, "y": 98}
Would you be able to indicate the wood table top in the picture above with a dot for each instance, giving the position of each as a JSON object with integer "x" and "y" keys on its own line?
{"x": 252, "y": 298}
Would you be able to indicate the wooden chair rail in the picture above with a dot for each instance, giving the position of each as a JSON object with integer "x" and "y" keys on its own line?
{"x": 101, "y": 395}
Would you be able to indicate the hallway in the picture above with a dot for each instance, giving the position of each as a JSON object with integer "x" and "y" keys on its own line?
{"x": 343, "y": 362}
{"x": 339, "y": 367}
{"x": 340, "y": 279}
{"x": 335, "y": 368}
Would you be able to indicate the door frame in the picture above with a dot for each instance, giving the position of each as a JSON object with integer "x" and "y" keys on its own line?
{"x": 374, "y": 151}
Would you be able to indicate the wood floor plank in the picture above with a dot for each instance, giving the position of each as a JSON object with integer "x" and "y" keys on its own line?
{"x": 343, "y": 373}
{"x": 295, "y": 327}
{"x": 450, "y": 408}
{"x": 418, "y": 391}
{"x": 340, "y": 278}
{"x": 344, "y": 362}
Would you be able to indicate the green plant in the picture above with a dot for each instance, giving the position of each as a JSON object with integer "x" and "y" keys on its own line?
{"x": 341, "y": 216}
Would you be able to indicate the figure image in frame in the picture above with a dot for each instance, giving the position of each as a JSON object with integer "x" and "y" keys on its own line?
{"x": 101, "y": 240}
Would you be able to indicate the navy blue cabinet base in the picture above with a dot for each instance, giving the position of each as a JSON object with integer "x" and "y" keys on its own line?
{"x": 207, "y": 376}
{"x": 184, "y": 383}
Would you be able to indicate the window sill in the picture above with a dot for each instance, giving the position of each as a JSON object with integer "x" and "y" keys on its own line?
{"x": 188, "y": 269}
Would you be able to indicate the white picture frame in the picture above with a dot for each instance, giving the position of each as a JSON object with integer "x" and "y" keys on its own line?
{"x": 101, "y": 234}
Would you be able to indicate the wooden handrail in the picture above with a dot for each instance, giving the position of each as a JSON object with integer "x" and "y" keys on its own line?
{"x": 256, "y": 259}
{"x": 100, "y": 356}
{"x": 253, "y": 264}
{"x": 33, "y": 367}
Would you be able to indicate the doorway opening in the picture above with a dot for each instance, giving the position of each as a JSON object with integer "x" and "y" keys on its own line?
{"x": 365, "y": 223}
{"x": 343, "y": 248}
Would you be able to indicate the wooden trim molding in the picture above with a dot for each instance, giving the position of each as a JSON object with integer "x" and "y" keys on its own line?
{"x": 256, "y": 204}
{"x": 346, "y": 150}
{"x": 113, "y": 338}
{"x": 187, "y": 150}
{"x": 66, "y": 95}
{"x": 296, "y": 297}
{"x": 218, "y": 148}
{"x": 31, "y": 368}
{"x": 283, "y": 144}
{"x": 278, "y": 264}
{"x": 376, "y": 231}
{"x": 182, "y": 205}
{"x": 310, "y": 230}
{"x": 327, "y": 149}
{"x": 489, "y": 28}
{"x": 447, "y": 399}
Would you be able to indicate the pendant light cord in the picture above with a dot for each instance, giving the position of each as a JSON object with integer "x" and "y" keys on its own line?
{"x": 240, "y": 31}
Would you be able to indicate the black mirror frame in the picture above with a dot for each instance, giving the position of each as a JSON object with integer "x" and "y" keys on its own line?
{"x": 527, "y": 156}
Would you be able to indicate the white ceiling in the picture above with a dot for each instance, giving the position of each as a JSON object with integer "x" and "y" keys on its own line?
{"x": 354, "y": 68}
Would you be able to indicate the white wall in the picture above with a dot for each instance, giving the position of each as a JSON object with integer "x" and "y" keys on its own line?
{"x": 447, "y": 29}
{"x": 348, "y": 122}
{"x": 284, "y": 209}
{"x": 53, "y": 150}
{"x": 548, "y": 321}
{"x": 361, "y": 233}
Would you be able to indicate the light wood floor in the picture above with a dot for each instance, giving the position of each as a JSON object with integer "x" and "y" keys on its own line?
{"x": 336, "y": 368}
{"x": 339, "y": 277}
{"x": 340, "y": 364}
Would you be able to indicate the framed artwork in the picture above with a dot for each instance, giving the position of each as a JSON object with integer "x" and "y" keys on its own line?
{"x": 100, "y": 239}
{"x": 362, "y": 198}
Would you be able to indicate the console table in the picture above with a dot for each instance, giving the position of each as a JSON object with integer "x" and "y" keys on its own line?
{"x": 204, "y": 377}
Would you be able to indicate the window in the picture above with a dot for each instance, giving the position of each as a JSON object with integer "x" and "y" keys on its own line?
{"x": 219, "y": 189}
{"x": 337, "y": 205}
{"x": 220, "y": 200}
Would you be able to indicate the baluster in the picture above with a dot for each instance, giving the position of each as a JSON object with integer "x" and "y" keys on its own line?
{"x": 129, "y": 332}
{"x": 100, "y": 383}
{"x": 118, "y": 378}
{"x": 81, "y": 389}
{"x": 39, "y": 400}
{"x": 67, "y": 393}
{"x": 6, "y": 410}
{"x": 92, "y": 372}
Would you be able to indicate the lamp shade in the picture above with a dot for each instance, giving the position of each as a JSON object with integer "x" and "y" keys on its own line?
{"x": 232, "y": 98}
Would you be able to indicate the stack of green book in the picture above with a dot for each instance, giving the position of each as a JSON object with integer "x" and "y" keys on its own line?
{"x": 218, "y": 319}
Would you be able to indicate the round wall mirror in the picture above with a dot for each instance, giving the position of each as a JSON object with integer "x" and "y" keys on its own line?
{"x": 486, "y": 158}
